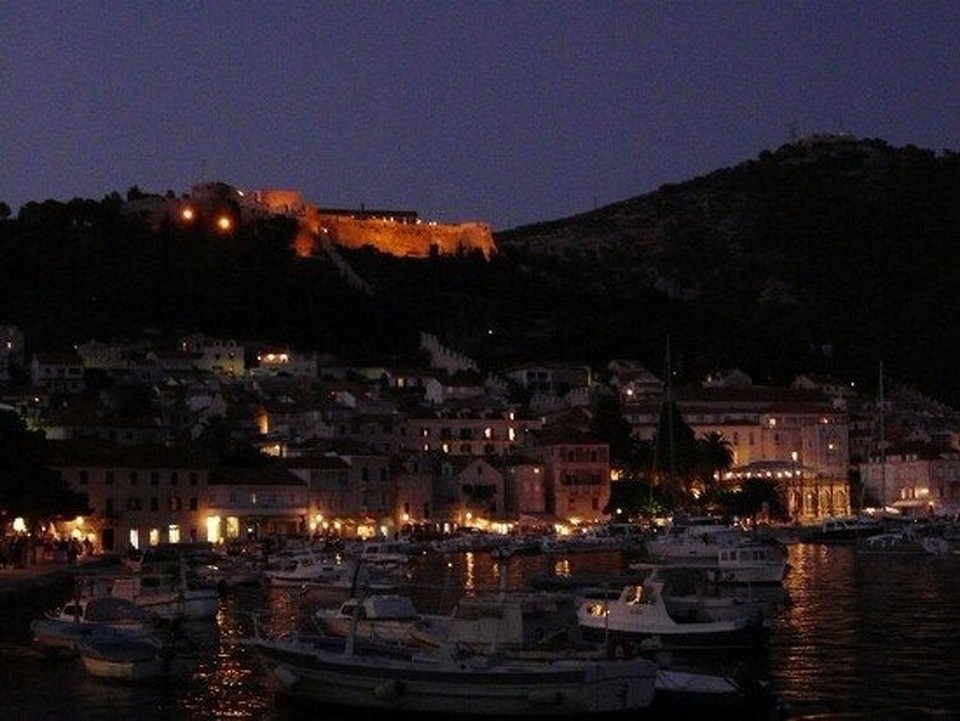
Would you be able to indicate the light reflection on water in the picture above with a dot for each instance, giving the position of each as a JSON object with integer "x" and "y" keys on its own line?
{"x": 869, "y": 634}
{"x": 862, "y": 636}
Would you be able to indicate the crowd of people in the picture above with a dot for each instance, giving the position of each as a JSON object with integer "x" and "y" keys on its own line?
{"x": 21, "y": 550}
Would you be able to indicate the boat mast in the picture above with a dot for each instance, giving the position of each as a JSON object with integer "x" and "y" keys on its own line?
{"x": 883, "y": 448}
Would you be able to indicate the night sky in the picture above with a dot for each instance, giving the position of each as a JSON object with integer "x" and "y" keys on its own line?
{"x": 503, "y": 112}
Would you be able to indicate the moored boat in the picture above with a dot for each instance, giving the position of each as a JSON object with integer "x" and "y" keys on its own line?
{"x": 844, "y": 529}
{"x": 145, "y": 658}
{"x": 441, "y": 684}
{"x": 169, "y": 601}
{"x": 73, "y": 622}
{"x": 640, "y": 615}
{"x": 750, "y": 563}
{"x": 893, "y": 542}
{"x": 385, "y": 617}
{"x": 697, "y": 538}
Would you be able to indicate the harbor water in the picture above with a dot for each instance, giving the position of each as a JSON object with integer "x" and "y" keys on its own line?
{"x": 860, "y": 636}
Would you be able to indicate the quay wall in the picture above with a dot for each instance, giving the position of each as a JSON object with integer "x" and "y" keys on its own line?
{"x": 25, "y": 594}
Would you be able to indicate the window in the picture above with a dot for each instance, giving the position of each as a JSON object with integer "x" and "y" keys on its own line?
{"x": 154, "y": 478}
{"x": 193, "y": 478}
{"x": 174, "y": 478}
{"x": 154, "y": 504}
{"x": 133, "y": 504}
{"x": 194, "y": 505}
{"x": 84, "y": 477}
{"x": 108, "y": 478}
{"x": 176, "y": 503}
{"x": 133, "y": 478}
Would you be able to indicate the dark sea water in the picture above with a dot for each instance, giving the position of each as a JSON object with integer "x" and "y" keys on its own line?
{"x": 862, "y": 636}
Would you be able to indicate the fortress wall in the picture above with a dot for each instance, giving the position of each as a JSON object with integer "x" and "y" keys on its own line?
{"x": 388, "y": 236}
{"x": 408, "y": 239}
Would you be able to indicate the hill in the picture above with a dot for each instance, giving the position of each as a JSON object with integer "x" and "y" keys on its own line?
{"x": 829, "y": 254}
{"x": 826, "y": 255}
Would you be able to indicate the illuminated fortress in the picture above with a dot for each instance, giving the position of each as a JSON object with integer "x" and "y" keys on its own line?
{"x": 398, "y": 232}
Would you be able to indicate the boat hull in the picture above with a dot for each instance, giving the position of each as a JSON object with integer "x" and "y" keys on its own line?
{"x": 475, "y": 687}
{"x": 632, "y": 641}
{"x": 135, "y": 660}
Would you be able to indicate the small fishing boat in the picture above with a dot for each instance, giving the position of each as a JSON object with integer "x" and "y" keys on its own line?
{"x": 144, "y": 658}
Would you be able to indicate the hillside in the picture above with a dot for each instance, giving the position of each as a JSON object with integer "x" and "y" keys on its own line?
{"x": 826, "y": 255}
{"x": 831, "y": 253}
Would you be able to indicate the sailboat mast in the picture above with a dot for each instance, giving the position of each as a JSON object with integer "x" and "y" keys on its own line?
{"x": 883, "y": 447}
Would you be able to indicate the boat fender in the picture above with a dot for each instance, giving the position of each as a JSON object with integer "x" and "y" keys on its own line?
{"x": 285, "y": 676}
{"x": 545, "y": 697}
{"x": 389, "y": 690}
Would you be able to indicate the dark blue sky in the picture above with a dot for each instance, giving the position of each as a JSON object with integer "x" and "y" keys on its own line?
{"x": 504, "y": 112}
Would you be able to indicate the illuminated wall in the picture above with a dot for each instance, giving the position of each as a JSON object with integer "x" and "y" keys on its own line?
{"x": 405, "y": 235}
{"x": 407, "y": 239}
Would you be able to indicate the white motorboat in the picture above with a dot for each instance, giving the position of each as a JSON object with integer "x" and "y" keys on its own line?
{"x": 640, "y": 615}
{"x": 384, "y": 617}
{"x": 689, "y": 596}
{"x": 845, "y": 529}
{"x": 683, "y": 693}
{"x": 694, "y": 539}
{"x": 750, "y": 563}
{"x": 906, "y": 540}
{"x": 73, "y": 622}
{"x": 330, "y": 573}
{"x": 168, "y": 600}
{"x": 747, "y": 562}
{"x": 348, "y": 673}
{"x": 305, "y": 569}
{"x": 385, "y": 554}
{"x": 518, "y": 624}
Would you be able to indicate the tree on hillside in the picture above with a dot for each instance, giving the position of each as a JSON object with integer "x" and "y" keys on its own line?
{"x": 29, "y": 489}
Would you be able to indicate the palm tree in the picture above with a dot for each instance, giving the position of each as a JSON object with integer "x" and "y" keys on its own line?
{"x": 715, "y": 456}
